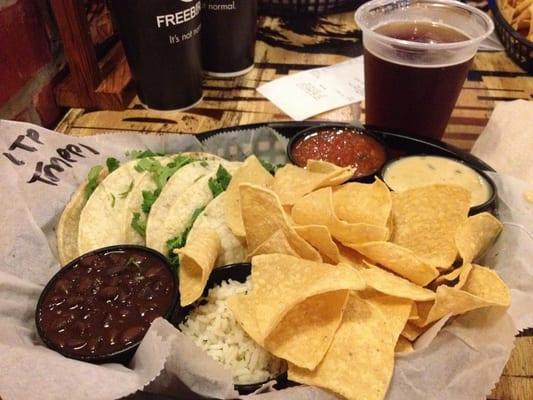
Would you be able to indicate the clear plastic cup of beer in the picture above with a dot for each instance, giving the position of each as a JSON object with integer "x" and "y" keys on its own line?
{"x": 417, "y": 54}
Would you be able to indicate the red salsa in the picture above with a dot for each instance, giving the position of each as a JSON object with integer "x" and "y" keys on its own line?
{"x": 105, "y": 302}
{"x": 343, "y": 147}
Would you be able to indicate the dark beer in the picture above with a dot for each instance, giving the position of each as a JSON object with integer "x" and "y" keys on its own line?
{"x": 404, "y": 94}
{"x": 228, "y": 36}
{"x": 162, "y": 41}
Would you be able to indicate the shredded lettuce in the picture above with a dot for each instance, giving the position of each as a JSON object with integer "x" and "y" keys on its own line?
{"x": 179, "y": 241}
{"x": 92, "y": 180}
{"x": 137, "y": 154}
{"x": 220, "y": 182}
{"x": 149, "y": 199}
{"x": 138, "y": 225}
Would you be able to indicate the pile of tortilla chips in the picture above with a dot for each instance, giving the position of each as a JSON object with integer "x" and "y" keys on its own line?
{"x": 345, "y": 275}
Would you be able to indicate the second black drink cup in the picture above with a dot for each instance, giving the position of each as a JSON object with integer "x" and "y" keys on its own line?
{"x": 162, "y": 41}
{"x": 228, "y": 36}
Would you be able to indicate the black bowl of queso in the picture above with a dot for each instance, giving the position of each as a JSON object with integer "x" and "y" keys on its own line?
{"x": 99, "y": 306}
{"x": 342, "y": 145}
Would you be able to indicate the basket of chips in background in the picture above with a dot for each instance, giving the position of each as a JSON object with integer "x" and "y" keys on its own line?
{"x": 513, "y": 23}
{"x": 306, "y": 7}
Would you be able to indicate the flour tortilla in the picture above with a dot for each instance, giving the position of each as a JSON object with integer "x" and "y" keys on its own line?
{"x": 186, "y": 175}
{"x": 69, "y": 222}
{"x": 232, "y": 248}
{"x": 183, "y": 194}
{"x": 104, "y": 218}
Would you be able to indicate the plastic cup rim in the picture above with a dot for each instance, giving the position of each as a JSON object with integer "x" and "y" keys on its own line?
{"x": 418, "y": 45}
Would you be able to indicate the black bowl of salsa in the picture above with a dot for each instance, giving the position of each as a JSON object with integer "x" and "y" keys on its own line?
{"x": 342, "y": 145}
{"x": 99, "y": 306}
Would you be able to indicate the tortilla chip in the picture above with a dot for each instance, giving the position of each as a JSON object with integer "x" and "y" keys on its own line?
{"x": 487, "y": 284}
{"x": 292, "y": 182}
{"x": 305, "y": 333}
{"x": 426, "y": 219}
{"x": 474, "y": 236}
{"x": 197, "y": 260}
{"x": 361, "y": 354}
{"x": 320, "y": 238}
{"x": 413, "y": 315}
{"x": 352, "y": 258}
{"x": 336, "y": 175}
{"x": 280, "y": 282}
{"x": 317, "y": 209}
{"x": 263, "y": 216}
{"x": 460, "y": 275}
{"x": 251, "y": 171}
{"x": 411, "y": 332}
{"x": 399, "y": 260}
{"x": 395, "y": 309}
{"x": 363, "y": 203}
{"x": 483, "y": 288}
{"x": 393, "y": 285}
{"x": 403, "y": 345}
{"x": 275, "y": 244}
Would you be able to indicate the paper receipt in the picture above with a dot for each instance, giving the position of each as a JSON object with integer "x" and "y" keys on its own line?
{"x": 308, "y": 93}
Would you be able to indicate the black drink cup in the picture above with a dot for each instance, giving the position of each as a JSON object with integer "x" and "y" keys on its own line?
{"x": 228, "y": 36}
{"x": 162, "y": 41}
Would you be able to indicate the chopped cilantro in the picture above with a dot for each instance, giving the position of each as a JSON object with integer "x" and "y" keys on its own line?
{"x": 179, "y": 241}
{"x": 112, "y": 200}
{"x": 138, "y": 225}
{"x": 112, "y": 164}
{"x": 136, "y": 154}
{"x": 204, "y": 163}
{"x": 92, "y": 180}
{"x": 270, "y": 167}
{"x": 128, "y": 190}
{"x": 220, "y": 182}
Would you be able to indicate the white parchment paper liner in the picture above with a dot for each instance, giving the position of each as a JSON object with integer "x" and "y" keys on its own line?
{"x": 463, "y": 361}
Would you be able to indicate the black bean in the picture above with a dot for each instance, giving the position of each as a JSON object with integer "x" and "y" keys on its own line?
{"x": 84, "y": 285}
{"x": 132, "y": 334}
{"x": 116, "y": 270}
{"x": 74, "y": 301}
{"x": 60, "y": 323}
{"x": 57, "y": 299}
{"x": 124, "y": 312}
{"x": 158, "y": 285}
{"x": 113, "y": 281}
{"x": 111, "y": 336}
{"x": 63, "y": 286}
{"x": 94, "y": 343}
{"x": 108, "y": 293}
{"x": 76, "y": 344}
{"x": 152, "y": 271}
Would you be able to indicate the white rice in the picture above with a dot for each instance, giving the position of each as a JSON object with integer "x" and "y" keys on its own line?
{"x": 214, "y": 329}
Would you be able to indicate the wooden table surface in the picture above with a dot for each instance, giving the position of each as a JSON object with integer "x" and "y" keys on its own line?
{"x": 285, "y": 46}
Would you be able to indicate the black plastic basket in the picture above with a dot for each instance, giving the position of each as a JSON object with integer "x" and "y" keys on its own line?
{"x": 306, "y": 7}
{"x": 517, "y": 47}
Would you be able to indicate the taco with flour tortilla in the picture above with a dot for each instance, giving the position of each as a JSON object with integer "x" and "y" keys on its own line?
{"x": 68, "y": 225}
{"x": 181, "y": 202}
